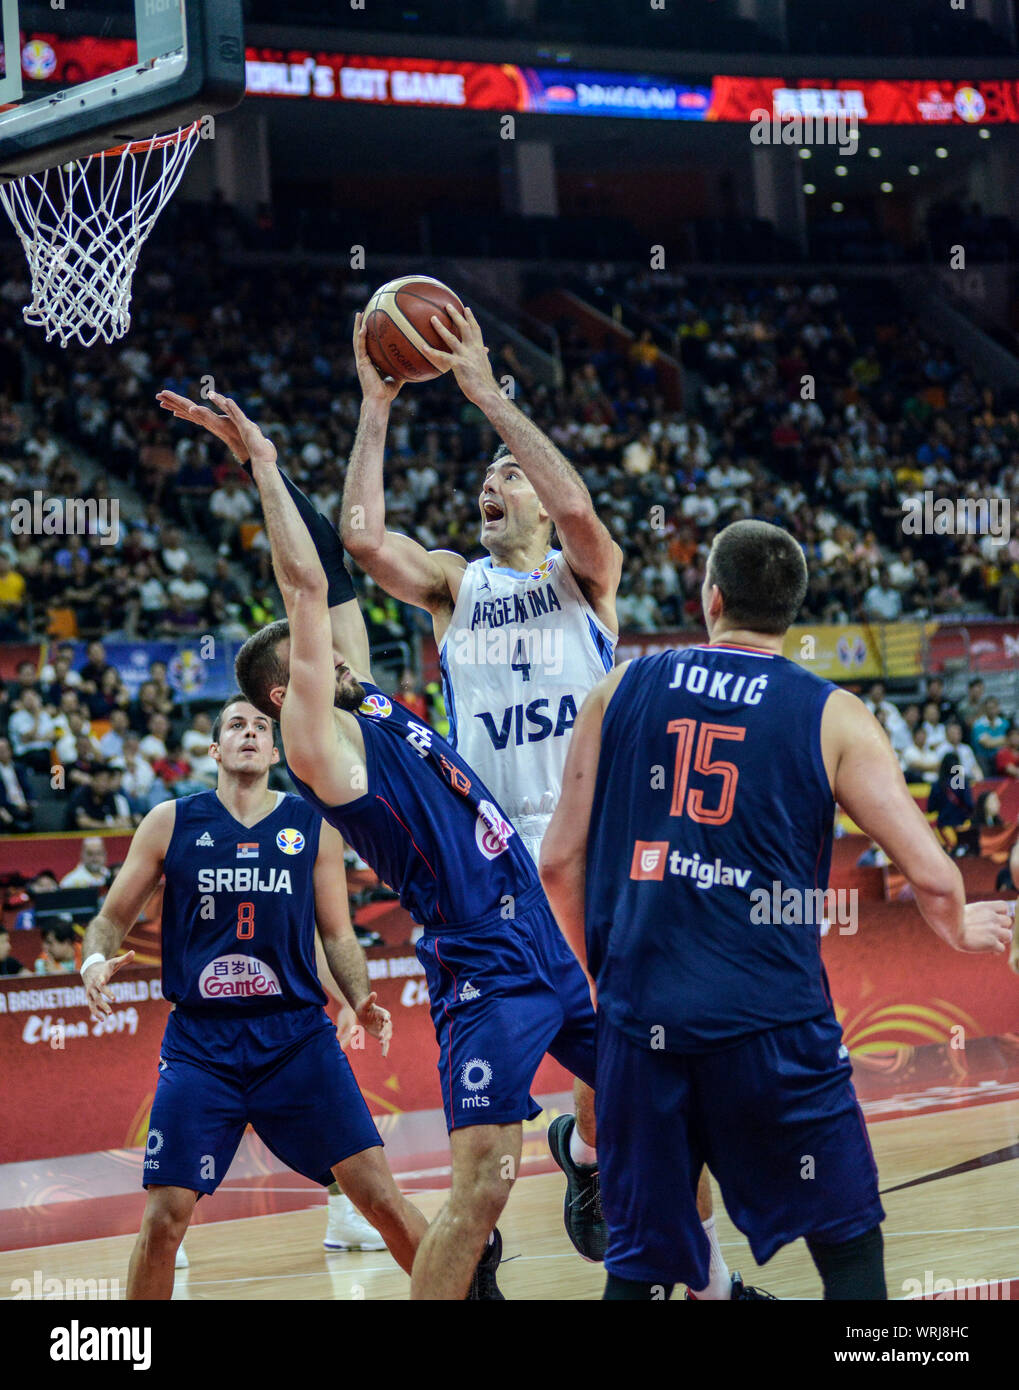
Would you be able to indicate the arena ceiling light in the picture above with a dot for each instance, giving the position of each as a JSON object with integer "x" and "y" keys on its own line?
{"x": 809, "y": 188}
{"x": 914, "y": 168}
{"x": 874, "y": 152}
{"x": 941, "y": 152}
{"x": 838, "y": 207}
{"x": 886, "y": 187}
{"x": 841, "y": 170}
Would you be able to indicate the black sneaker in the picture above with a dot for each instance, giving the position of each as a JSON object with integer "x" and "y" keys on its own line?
{"x": 483, "y": 1284}
{"x": 739, "y": 1292}
{"x": 582, "y": 1213}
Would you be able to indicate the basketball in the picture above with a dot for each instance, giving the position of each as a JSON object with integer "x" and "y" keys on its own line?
{"x": 398, "y": 318}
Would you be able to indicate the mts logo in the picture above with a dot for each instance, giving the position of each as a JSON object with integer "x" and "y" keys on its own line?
{"x": 473, "y": 1102}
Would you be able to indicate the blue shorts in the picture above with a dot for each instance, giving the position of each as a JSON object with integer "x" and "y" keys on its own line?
{"x": 284, "y": 1074}
{"x": 503, "y": 994}
{"x": 775, "y": 1119}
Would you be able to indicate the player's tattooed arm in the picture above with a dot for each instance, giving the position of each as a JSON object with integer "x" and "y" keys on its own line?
{"x": 589, "y": 550}
{"x": 430, "y": 579}
{"x": 131, "y": 890}
{"x": 342, "y": 949}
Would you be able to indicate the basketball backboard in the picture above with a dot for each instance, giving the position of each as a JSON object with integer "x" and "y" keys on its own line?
{"x": 157, "y": 65}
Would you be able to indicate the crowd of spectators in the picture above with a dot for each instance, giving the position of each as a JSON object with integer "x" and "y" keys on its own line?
{"x": 825, "y": 410}
{"x": 81, "y": 735}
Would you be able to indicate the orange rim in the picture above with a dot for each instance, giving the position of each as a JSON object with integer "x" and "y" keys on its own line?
{"x": 154, "y": 142}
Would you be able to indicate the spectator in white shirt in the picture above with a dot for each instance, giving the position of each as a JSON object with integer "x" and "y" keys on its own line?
{"x": 199, "y": 736}
{"x": 964, "y": 753}
{"x": 700, "y": 506}
{"x": 935, "y": 729}
{"x": 67, "y": 749}
{"x": 31, "y": 731}
{"x": 920, "y": 763}
{"x": 138, "y": 777}
{"x": 111, "y": 745}
{"x": 173, "y": 553}
{"x": 90, "y": 870}
{"x": 230, "y": 505}
{"x": 153, "y": 745}
{"x": 893, "y": 720}
{"x": 193, "y": 591}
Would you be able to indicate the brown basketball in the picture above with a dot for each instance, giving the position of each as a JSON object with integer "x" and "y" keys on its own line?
{"x": 398, "y": 325}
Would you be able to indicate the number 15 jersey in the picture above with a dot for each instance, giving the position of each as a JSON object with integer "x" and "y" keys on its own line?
{"x": 709, "y": 849}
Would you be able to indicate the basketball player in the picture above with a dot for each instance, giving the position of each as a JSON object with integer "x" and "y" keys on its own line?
{"x": 249, "y": 874}
{"x": 697, "y": 784}
{"x": 523, "y": 636}
{"x": 504, "y": 986}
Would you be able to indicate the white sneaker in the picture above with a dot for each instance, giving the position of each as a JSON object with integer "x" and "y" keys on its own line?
{"x": 180, "y": 1260}
{"x": 347, "y": 1228}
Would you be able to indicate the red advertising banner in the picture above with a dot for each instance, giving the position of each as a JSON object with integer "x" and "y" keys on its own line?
{"x": 558, "y": 89}
{"x": 71, "y": 1085}
{"x": 872, "y": 102}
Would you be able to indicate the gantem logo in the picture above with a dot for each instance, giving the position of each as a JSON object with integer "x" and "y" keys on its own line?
{"x": 238, "y": 977}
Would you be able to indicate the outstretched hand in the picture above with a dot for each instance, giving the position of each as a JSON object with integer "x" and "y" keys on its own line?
{"x": 377, "y": 1021}
{"x": 467, "y": 357}
{"x": 241, "y": 436}
{"x": 95, "y": 979}
{"x": 376, "y": 388}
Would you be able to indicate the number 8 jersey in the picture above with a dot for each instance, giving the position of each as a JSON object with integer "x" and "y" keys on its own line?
{"x": 521, "y": 652}
{"x": 238, "y": 925}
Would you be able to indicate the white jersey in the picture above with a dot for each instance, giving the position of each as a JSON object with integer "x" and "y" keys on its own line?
{"x": 520, "y": 653}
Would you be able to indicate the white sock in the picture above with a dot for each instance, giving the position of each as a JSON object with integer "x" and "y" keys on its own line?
{"x": 581, "y": 1152}
{"x": 719, "y": 1285}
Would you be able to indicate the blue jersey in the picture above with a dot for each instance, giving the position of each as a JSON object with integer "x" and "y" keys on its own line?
{"x": 427, "y": 825}
{"x": 239, "y": 909}
{"x": 711, "y": 803}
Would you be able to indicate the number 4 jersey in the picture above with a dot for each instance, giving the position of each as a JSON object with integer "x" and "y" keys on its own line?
{"x": 521, "y": 652}
{"x": 709, "y": 848}
{"x": 238, "y": 928}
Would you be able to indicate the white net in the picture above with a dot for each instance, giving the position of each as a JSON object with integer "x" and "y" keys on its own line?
{"x": 82, "y": 226}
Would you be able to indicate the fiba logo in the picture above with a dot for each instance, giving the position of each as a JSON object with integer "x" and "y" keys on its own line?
{"x": 290, "y": 841}
{"x": 38, "y": 59}
{"x": 492, "y": 830}
{"x": 970, "y": 104}
{"x": 474, "y": 1077}
{"x": 375, "y": 706}
{"x": 544, "y": 569}
{"x": 851, "y": 652}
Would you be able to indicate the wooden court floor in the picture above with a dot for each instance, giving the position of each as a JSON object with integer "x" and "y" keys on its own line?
{"x": 955, "y": 1226}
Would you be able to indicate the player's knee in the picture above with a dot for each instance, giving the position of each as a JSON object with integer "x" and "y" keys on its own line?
{"x": 480, "y": 1200}
{"x": 166, "y": 1220}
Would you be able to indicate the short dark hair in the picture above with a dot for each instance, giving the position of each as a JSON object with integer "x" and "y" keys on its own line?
{"x": 761, "y": 574}
{"x": 258, "y": 666}
{"x": 237, "y": 698}
{"x": 503, "y": 452}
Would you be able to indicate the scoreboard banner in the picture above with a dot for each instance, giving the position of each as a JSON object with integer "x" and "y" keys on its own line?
{"x": 314, "y": 75}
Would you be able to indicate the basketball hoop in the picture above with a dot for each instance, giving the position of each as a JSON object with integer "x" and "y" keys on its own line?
{"x": 82, "y": 225}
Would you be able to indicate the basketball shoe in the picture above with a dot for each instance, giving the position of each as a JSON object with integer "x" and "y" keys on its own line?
{"x": 582, "y": 1213}
{"x": 741, "y": 1293}
{"x": 483, "y": 1283}
{"x": 347, "y": 1229}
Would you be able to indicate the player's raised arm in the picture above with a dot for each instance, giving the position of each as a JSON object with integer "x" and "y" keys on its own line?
{"x": 562, "y": 867}
{"x": 130, "y": 891}
{"x": 331, "y": 767}
{"x": 868, "y": 783}
{"x": 346, "y": 620}
{"x": 427, "y": 578}
{"x": 589, "y": 549}
{"x": 342, "y": 949}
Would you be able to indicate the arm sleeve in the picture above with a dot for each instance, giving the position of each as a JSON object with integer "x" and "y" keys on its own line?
{"x": 326, "y": 539}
